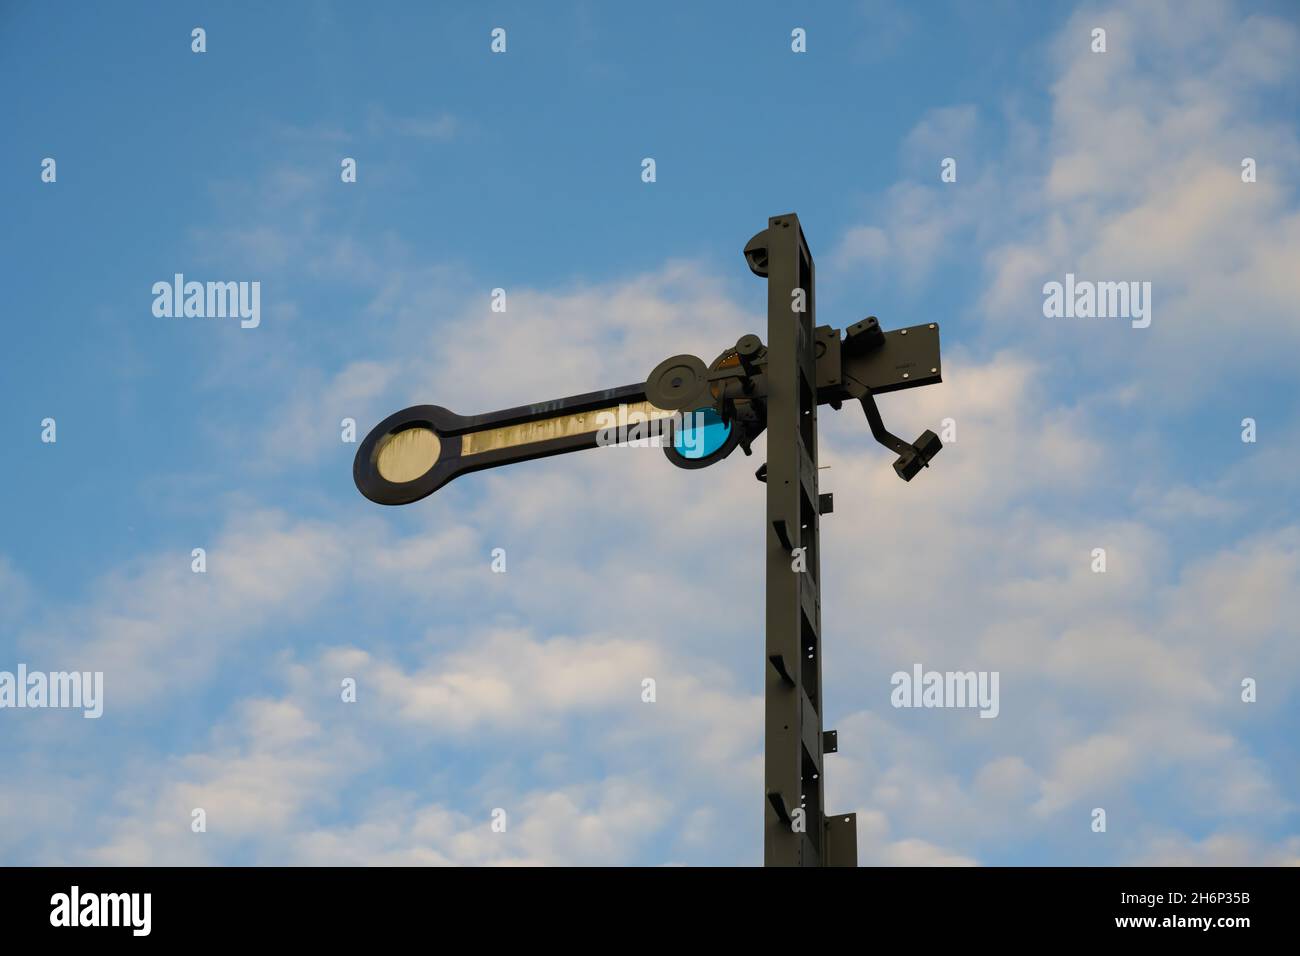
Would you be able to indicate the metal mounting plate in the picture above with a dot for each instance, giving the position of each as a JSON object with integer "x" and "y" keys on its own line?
{"x": 841, "y": 840}
{"x": 908, "y": 358}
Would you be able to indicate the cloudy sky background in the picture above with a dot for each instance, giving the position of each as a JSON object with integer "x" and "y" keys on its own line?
{"x": 522, "y": 171}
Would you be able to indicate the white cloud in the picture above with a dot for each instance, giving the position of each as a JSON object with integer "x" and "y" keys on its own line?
{"x": 1219, "y": 849}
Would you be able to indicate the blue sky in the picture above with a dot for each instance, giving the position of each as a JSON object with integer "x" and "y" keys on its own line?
{"x": 522, "y": 171}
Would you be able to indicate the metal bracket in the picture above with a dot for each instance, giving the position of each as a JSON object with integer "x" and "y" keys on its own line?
{"x": 778, "y": 662}
{"x": 912, "y": 456}
{"x": 825, "y": 504}
{"x": 906, "y": 358}
{"x": 756, "y": 254}
{"x": 830, "y": 741}
{"x": 841, "y": 832}
{"x": 863, "y": 336}
{"x": 778, "y": 804}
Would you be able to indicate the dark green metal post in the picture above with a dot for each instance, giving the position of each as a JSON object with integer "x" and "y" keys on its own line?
{"x": 793, "y": 831}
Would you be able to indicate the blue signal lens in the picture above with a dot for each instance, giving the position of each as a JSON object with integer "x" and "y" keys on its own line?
{"x": 701, "y": 433}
